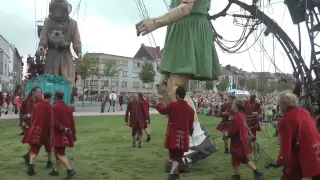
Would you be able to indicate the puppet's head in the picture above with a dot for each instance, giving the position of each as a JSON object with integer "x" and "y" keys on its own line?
{"x": 59, "y": 10}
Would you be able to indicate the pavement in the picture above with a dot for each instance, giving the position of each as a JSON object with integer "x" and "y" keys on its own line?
{"x": 84, "y": 111}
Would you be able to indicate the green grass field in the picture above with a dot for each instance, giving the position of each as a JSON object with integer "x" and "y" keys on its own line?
{"x": 103, "y": 151}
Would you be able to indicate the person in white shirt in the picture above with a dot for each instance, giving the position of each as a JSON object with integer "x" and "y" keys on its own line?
{"x": 113, "y": 98}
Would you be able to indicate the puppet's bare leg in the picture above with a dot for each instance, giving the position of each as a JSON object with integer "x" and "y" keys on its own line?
{"x": 174, "y": 81}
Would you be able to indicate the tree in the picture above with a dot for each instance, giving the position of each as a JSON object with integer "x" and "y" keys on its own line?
{"x": 223, "y": 84}
{"x": 208, "y": 85}
{"x": 110, "y": 69}
{"x": 147, "y": 73}
{"x": 85, "y": 68}
{"x": 251, "y": 84}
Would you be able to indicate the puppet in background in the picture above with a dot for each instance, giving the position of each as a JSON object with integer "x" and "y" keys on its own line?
{"x": 39, "y": 132}
{"x": 63, "y": 133}
{"x": 57, "y": 35}
{"x": 225, "y": 122}
{"x": 179, "y": 128}
{"x": 188, "y": 27}
{"x": 138, "y": 117}
{"x": 25, "y": 114}
{"x": 240, "y": 147}
{"x": 253, "y": 110}
{"x": 299, "y": 141}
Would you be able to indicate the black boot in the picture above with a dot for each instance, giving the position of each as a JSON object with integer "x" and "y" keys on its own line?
{"x": 139, "y": 146}
{"x": 49, "y": 164}
{"x": 133, "y": 144}
{"x": 137, "y": 139}
{"x": 148, "y": 138}
{"x": 235, "y": 177}
{"x": 226, "y": 150}
{"x": 70, "y": 173}
{"x": 257, "y": 174}
{"x": 177, "y": 176}
{"x": 26, "y": 158}
{"x": 172, "y": 177}
{"x": 31, "y": 171}
{"x": 54, "y": 173}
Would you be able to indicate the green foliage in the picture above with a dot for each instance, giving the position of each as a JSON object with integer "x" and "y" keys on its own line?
{"x": 208, "y": 85}
{"x": 147, "y": 72}
{"x": 86, "y": 67}
{"x": 251, "y": 84}
{"x": 111, "y": 69}
{"x": 223, "y": 84}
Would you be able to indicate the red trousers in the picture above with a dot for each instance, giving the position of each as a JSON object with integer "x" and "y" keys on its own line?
{"x": 237, "y": 160}
{"x": 35, "y": 148}
{"x": 176, "y": 155}
{"x": 61, "y": 151}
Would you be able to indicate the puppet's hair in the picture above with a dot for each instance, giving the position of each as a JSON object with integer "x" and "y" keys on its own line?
{"x": 287, "y": 98}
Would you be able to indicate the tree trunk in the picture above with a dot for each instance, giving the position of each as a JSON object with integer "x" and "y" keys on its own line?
{"x": 84, "y": 81}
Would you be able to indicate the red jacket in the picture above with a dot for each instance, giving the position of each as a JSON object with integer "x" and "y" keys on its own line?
{"x": 180, "y": 124}
{"x": 238, "y": 133}
{"x": 39, "y": 132}
{"x": 137, "y": 114}
{"x": 62, "y": 118}
{"x": 146, "y": 107}
{"x": 299, "y": 143}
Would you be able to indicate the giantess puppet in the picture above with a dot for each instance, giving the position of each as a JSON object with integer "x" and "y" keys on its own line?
{"x": 188, "y": 53}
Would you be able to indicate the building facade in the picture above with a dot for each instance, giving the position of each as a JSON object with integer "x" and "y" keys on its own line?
{"x": 11, "y": 65}
{"x": 127, "y": 79}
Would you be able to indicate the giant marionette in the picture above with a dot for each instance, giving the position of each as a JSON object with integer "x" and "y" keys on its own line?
{"x": 58, "y": 33}
{"x": 188, "y": 54}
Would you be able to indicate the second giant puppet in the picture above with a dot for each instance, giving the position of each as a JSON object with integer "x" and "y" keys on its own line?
{"x": 188, "y": 27}
{"x": 57, "y": 35}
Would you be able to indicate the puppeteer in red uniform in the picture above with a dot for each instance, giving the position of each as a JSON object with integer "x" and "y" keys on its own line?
{"x": 179, "y": 128}
{"x": 146, "y": 106}
{"x": 225, "y": 122}
{"x": 39, "y": 132}
{"x": 138, "y": 116}
{"x": 25, "y": 114}
{"x": 299, "y": 141}
{"x": 63, "y": 132}
{"x": 121, "y": 100}
{"x": 253, "y": 108}
{"x": 240, "y": 147}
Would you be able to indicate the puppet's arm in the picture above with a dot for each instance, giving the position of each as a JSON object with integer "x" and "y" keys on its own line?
{"x": 175, "y": 14}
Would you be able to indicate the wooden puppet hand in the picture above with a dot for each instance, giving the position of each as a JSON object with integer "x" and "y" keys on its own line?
{"x": 146, "y": 26}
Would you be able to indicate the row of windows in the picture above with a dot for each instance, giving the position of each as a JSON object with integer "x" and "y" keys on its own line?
{"x": 115, "y": 83}
{"x": 124, "y": 63}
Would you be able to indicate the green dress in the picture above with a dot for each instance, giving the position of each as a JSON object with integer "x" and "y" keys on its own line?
{"x": 189, "y": 47}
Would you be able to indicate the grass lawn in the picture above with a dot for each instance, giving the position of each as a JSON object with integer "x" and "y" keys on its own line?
{"x": 103, "y": 151}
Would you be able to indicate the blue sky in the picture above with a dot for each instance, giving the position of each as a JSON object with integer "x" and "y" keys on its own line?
{"x": 108, "y": 26}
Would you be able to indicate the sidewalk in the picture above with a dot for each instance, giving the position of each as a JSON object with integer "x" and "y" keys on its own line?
{"x": 15, "y": 116}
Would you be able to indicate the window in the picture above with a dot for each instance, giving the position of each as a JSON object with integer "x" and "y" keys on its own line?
{"x": 136, "y": 65}
{"x": 124, "y": 84}
{"x": 105, "y": 83}
{"x": 136, "y": 85}
{"x": 135, "y": 75}
{"x": 114, "y": 83}
{"x": 124, "y": 63}
{"x": 124, "y": 73}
